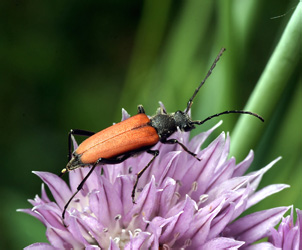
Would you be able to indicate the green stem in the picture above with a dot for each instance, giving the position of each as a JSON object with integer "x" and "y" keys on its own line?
{"x": 269, "y": 87}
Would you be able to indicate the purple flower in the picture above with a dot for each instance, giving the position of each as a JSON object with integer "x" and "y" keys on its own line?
{"x": 288, "y": 235}
{"x": 180, "y": 202}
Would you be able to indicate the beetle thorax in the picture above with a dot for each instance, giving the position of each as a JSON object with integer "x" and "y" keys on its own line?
{"x": 167, "y": 124}
{"x": 164, "y": 124}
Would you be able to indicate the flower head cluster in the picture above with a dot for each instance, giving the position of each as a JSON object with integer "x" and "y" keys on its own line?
{"x": 180, "y": 202}
{"x": 288, "y": 235}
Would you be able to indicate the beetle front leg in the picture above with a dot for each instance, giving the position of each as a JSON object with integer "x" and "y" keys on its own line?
{"x": 174, "y": 141}
{"x": 140, "y": 173}
{"x": 78, "y": 190}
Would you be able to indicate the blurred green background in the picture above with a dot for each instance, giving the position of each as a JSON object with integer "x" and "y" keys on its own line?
{"x": 75, "y": 64}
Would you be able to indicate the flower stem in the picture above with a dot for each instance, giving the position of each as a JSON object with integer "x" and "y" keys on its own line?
{"x": 270, "y": 86}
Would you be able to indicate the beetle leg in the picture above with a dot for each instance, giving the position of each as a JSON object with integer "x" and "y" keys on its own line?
{"x": 140, "y": 109}
{"x": 140, "y": 173}
{"x": 174, "y": 141}
{"x": 78, "y": 189}
{"x": 76, "y": 132}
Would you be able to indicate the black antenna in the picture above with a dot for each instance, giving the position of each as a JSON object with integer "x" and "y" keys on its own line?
{"x": 228, "y": 112}
{"x": 190, "y": 102}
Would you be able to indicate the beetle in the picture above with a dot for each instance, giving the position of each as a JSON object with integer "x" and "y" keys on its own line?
{"x": 134, "y": 135}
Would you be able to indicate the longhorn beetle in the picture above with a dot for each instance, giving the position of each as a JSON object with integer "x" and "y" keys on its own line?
{"x": 136, "y": 134}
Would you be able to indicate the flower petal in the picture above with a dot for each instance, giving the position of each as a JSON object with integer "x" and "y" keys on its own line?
{"x": 138, "y": 241}
{"x": 44, "y": 196}
{"x": 58, "y": 188}
{"x": 201, "y": 223}
{"x": 62, "y": 239}
{"x": 40, "y": 246}
{"x": 220, "y": 221}
{"x": 262, "y": 246}
{"x": 202, "y": 171}
{"x": 168, "y": 197}
{"x": 197, "y": 141}
{"x": 242, "y": 167}
{"x": 156, "y": 226}
{"x": 221, "y": 243}
{"x": 182, "y": 222}
{"x": 292, "y": 239}
{"x": 224, "y": 173}
{"x": 113, "y": 245}
{"x": 125, "y": 115}
{"x": 253, "y": 227}
{"x": 227, "y": 186}
{"x": 265, "y": 192}
{"x": 169, "y": 161}
{"x": 30, "y": 212}
{"x": 256, "y": 176}
{"x": 144, "y": 206}
{"x": 49, "y": 214}
{"x": 123, "y": 186}
{"x": 275, "y": 238}
{"x": 77, "y": 229}
{"x": 299, "y": 224}
{"x": 92, "y": 247}
{"x": 111, "y": 203}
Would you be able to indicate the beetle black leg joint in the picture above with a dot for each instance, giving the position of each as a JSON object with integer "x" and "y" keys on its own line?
{"x": 174, "y": 141}
{"x": 155, "y": 153}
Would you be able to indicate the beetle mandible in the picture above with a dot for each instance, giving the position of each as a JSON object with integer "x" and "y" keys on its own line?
{"x": 136, "y": 134}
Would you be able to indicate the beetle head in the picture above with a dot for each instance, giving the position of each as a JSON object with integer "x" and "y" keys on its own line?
{"x": 75, "y": 162}
{"x": 183, "y": 121}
